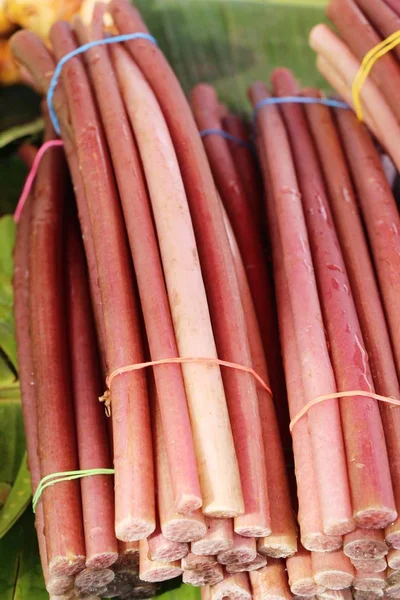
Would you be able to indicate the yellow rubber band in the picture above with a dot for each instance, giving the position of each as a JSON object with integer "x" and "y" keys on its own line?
{"x": 65, "y": 476}
{"x": 366, "y": 65}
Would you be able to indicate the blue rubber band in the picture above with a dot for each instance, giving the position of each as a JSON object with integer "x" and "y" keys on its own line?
{"x": 226, "y": 136}
{"x": 299, "y": 100}
{"x": 57, "y": 72}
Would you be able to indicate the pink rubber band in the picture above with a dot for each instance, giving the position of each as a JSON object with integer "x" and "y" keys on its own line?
{"x": 338, "y": 395}
{"x": 177, "y": 360}
{"x": 31, "y": 176}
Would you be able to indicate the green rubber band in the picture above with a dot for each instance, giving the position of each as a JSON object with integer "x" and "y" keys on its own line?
{"x": 53, "y": 478}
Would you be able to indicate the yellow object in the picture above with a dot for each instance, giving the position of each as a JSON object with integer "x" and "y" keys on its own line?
{"x": 9, "y": 71}
{"x": 6, "y": 25}
{"x": 40, "y": 16}
{"x": 365, "y": 68}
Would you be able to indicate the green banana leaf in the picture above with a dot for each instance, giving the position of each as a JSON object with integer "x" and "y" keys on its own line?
{"x": 228, "y": 43}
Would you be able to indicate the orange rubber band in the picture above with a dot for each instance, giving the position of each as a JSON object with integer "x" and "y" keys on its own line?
{"x": 338, "y": 395}
{"x": 176, "y": 360}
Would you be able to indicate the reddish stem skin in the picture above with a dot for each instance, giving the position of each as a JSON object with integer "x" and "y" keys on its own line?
{"x": 133, "y": 457}
{"x": 174, "y": 526}
{"x": 27, "y": 153}
{"x": 93, "y": 450}
{"x": 30, "y": 50}
{"x": 317, "y": 374}
{"x": 381, "y": 218}
{"x": 393, "y": 5}
{"x": 363, "y": 283}
{"x": 218, "y": 271}
{"x": 246, "y": 165}
{"x": 371, "y": 487}
{"x": 244, "y": 222}
{"x": 282, "y": 541}
{"x": 385, "y": 20}
{"x": 148, "y": 269}
{"x": 358, "y": 34}
{"x": 55, "y": 420}
{"x": 309, "y": 513}
{"x": 27, "y": 384}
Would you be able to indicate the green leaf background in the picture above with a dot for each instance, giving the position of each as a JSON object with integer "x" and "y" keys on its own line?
{"x": 228, "y": 43}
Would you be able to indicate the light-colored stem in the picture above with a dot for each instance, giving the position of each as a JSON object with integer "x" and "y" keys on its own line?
{"x": 373, "y": 565}
{"x": 385, "y": 125}
{"x": 218, "y": 469}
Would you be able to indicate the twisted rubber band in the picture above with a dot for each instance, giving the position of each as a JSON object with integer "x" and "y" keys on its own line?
{"x": 126, "y": 37}
{"x": 332, "y": 102}
{"x": 226, "y": 136}
{"x": 31, "y": 176}
{"x": 338, "y": 395}
{"x": 53, "y": 478}
{"x": 366, "y": 65}
{"x": 176, "y": 360}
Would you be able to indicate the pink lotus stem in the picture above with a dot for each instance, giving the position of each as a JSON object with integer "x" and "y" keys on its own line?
{"x": 174, "y": 526}
{"x": 259, "y": 562}
{"x": 233, "y": 586}
{"x": 160, "y": 548}
{"x": 373, "y": 565}
{"x": 309, "y": 515}
{"x": 242, "y": 551}
{"x": 93, "y": 451}
{"x": 62, "y": 510}
{"x": 332, "y": 570}
{"x": 363, "y": 283}
{"x": 282, "y": 541}
{"x": 197, "y": 563}
{"x": 328, "y": 450}
{"x": 210, "y": 576}
{"x": 154, "y": 571}
{"x": 371, "y": 488}
{"x": 300, "y": 573}
{"x": 218, "y": 538}
{"x": 393, "y": 558}
{"x": 365, "y": 543}
{"x": 271, "y": 583}
{"x": 369, "y": 582}
{"x": 384, "y": 18}
{"x": 381, "y": 120}
{"x": 134, "y": 492}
